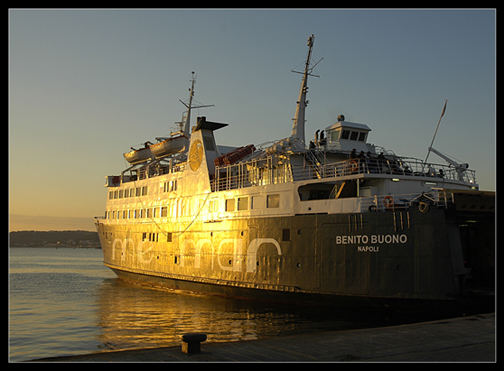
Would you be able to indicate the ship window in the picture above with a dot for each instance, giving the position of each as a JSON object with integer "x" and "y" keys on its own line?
{"x": 164, "y": 212}
{"x": 115, "y": 194}
{"x": 317, "y": 191}
{"x": 125, "y": 214}
{"x": 144, "y": 236}
{"x": 362, "y": 136}
{"x": 137, "y": 191}
{"x": 273, "y": 201}
{"x": 242, "y": 203}
{"x": 132, "y": 192}
{"x": 144, "y": 190}
{"x": 354, "y": 135}
{"x": 285, "y": 234}
{"x": 111, "y": 195}
{"x": 169, "y": 237}
{"x": 257, "y": 202}
{"x": 345, "y": 134}
{"x": 230, "y": 204}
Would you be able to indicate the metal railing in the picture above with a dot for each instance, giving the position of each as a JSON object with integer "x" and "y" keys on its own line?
{"x": 270, "y": 171}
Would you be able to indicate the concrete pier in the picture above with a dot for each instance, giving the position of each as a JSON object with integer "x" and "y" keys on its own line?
{"x": 463, "y": 339}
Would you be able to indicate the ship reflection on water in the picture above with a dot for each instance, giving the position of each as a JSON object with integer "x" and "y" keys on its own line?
{"x": 131, "y": 316}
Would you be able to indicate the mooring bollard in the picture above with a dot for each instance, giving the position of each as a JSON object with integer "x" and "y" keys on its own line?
{"x": 191, "y": 342}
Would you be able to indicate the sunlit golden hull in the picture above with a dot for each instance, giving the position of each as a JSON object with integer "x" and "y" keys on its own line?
{"x": 402, "y": 254}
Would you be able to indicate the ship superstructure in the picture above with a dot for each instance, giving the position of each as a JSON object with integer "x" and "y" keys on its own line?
{"x": 338, "y": 216}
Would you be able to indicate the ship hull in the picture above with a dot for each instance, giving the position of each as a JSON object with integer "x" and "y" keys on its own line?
{"x": 382, "y": 255}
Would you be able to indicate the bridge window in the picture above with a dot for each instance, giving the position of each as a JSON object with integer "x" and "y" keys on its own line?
{"x": 273, "y": 201}
{"x": 242, "y": 203}
{"x": 230, "y": 204}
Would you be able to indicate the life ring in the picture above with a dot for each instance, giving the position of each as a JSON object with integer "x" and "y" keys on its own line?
{"x": 354, "y": 166}
{"x": 388, "y": 202}
{"x": 423, "y": 207}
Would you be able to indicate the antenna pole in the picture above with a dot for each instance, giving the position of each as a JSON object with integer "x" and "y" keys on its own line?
{"x": 191, "y": 94}
{"x": 190, "y": 107}
{"x": 298, "y": 127}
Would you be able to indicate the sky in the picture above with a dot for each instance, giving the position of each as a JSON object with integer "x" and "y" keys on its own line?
{"x": 87, "y": 84}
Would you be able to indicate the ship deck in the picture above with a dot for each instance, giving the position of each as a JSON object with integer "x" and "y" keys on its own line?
{"x": 314, "y": 166}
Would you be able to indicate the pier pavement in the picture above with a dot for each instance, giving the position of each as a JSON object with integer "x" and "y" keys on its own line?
{"x": 462, "y": 339}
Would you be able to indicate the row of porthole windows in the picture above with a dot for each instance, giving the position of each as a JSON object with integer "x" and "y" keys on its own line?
{"x": 127, "y": 192}
{"x": 232, "y": 204}
{"x": 137, "y": 213}
{"x": 168, "y": 186}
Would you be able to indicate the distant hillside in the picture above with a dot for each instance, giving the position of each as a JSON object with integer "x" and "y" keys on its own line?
{"x": 54, "y": 238}
{"x": 18, "y": 222}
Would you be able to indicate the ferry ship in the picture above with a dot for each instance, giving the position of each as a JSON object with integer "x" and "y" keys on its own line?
{"x": 335, "y": 217}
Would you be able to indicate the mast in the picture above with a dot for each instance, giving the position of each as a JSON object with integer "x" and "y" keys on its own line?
{"x": 189, "y": 106}
{"x": 298, "y": 127}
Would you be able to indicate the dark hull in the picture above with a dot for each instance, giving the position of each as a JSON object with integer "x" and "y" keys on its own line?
{"x": 382, "y": 255}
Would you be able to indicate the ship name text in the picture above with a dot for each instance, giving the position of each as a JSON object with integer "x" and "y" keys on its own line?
{"x": 375, "y": 240}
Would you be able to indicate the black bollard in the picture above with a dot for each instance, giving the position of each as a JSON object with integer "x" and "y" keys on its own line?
{"x": 191, "y": 342}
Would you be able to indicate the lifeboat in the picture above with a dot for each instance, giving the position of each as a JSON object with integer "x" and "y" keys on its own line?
{"x": 234, "y": 156}
{"x": 137, "y": 156}
{"x": 169, "y": 146}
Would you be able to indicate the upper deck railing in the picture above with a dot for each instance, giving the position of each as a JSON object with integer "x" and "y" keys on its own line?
{"x": 270, "y": 171}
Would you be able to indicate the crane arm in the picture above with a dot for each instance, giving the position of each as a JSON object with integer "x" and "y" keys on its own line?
{"x": 446, "y": 158}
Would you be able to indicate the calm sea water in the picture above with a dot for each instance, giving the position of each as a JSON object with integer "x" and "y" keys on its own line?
{"x": 64, "y": 301}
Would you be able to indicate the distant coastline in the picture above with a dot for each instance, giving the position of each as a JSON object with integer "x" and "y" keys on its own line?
{"x": 18, "y": 222}
{"x": 71, "y": 239}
